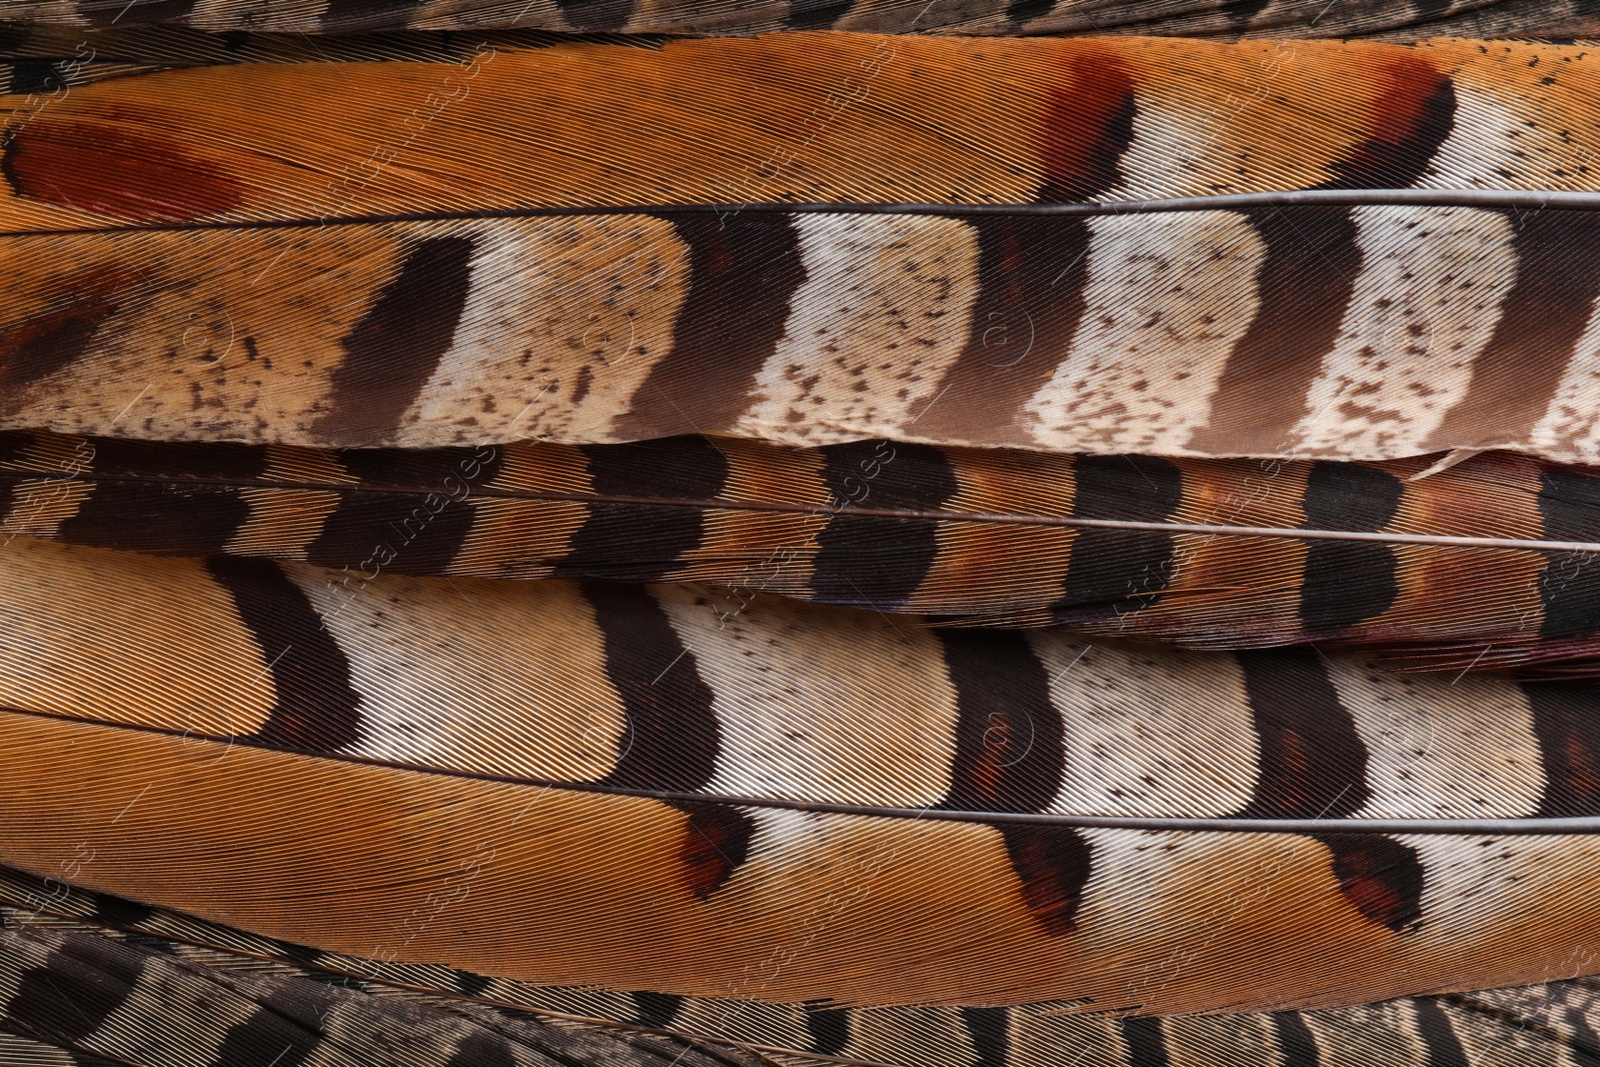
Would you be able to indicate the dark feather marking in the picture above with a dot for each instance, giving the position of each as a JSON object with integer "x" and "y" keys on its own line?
{"x": 1568, "y": 730}
{"x": 716, "y": 842}
{"x": 644, "y": 542}
{"x": 1411, "y": 121}
{"x": 1088, "y": 125}
{"x": 672, "y": 737}
{"x": 873, "y": 561}
{"x": 396, "y": 346}
{"x": 596, "y": 16}
{"x": 1569, "y": 585}
{"x": 1113, "y": 572}
{"x": 656, "y": 1010}
{"x": 828, "y": 1028}
{"x": 51, "y": 341}
{"x": 1381, "y": 877}
{"x": 80, "y": 985}
{"x": 1438, "y": 1036}
{"x": 407, "y": 533}
{"x": 989, "y": 1030}
{"x": 1032, "y": 271}
{"x": 316, "y": 705}
{"x": 1312, "y": 761}
{"x": 1296, "y": 1044}
{"x": 1147, "y": 1045}
{"x": 1305, "y": 283}
{"x": 744, "y": 269}
{"x": 1541, "y": 321}
{"x": 1345, "y": 582}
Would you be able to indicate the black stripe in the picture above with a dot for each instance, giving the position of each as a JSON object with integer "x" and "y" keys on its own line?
{"x": 1296, "y": 1045}
{"x": 1345, "y": 582}
{"x": 406, "y": 533}
{"x": 1305, "y": 283}
{"x": 394, "y": 349}
{"x": 1569, "y": 585}
{"x": 1147, "y": 1045}
{"x": 120, "y": 914}
{"x": 672, "y": 738}
{"x": 81, "y": 983}
{"x": 871, "y": 561}
{"x": 482, "y": 1050}
{"x": 1032, "y": 273}
{"x": 1438, "y": 1036}
{"x": 13, "y": 445}
{"x": 1011, "y": 756}
{"x": 744, "y": 269}
{"x": 315, "y": 704}
{"x": 989, "y": 1030}
{"x": 1010, "y": 751}
{"x": 1566, "y": 722}
{"x": 1112, "y": 572}
{"x": 817, "y": 14}
{"x": 596, "y": 16}
{"x": 1312, "y": 763}
{"x": 1516, "y": 375}
{"x": 348, "y": 15}
{"x": 149, "y": 516}
{"x": 1584, "y": 1044}
{"x": 469, "y": 984}
{"x": 1020, "y": 12}
{"x": 157, "y": 517}
{"x": 137, "y": 12}
{"x": 287, "y": 1024}
{"x": 1411, "y": 127}
{"x": 828, "y": 1028}
{"x": 37, "y": 76}
{"x": 655, "y": 1009}
{"x": 644, "y": 542}
{"x": 1382, "y": 878}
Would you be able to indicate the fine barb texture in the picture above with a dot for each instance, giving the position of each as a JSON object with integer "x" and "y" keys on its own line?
{"x": 1390, "y": 19}
{"x": 1552, "y": 1025}
{"x": 469, "y": 765}
{"x": 1371, "y": 557}
{"x": 377, "y": 260}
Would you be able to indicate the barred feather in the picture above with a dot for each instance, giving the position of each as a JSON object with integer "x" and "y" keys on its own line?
{"x": 448, "y": 257}
{"x": 1372, "y": 556}
{"x": 639, "y": 789}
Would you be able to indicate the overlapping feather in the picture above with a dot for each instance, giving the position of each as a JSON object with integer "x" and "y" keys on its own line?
{"x": 1394, "y": 20}
{"x": 1485, "y": 565}
{"x": 600, "y": 785}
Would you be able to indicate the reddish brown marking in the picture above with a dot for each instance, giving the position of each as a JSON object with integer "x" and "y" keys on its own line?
{"x": 115, "y": 172}
{"x": 1381, "y": 877}
{"x": 1409, "y": 120}
{"x": 1088, "y": 124}
{"x": 1053, "y": 864}
{"x": 716, "y": 840}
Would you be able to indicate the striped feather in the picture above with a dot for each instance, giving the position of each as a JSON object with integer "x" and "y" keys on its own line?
{"x": 520, "y": 264}
{"x": 632, "y": 788}
{"x": 1402, "y": 20}
{"x": 1541, "y": 1026}
{"x": 1371, "y": 557}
